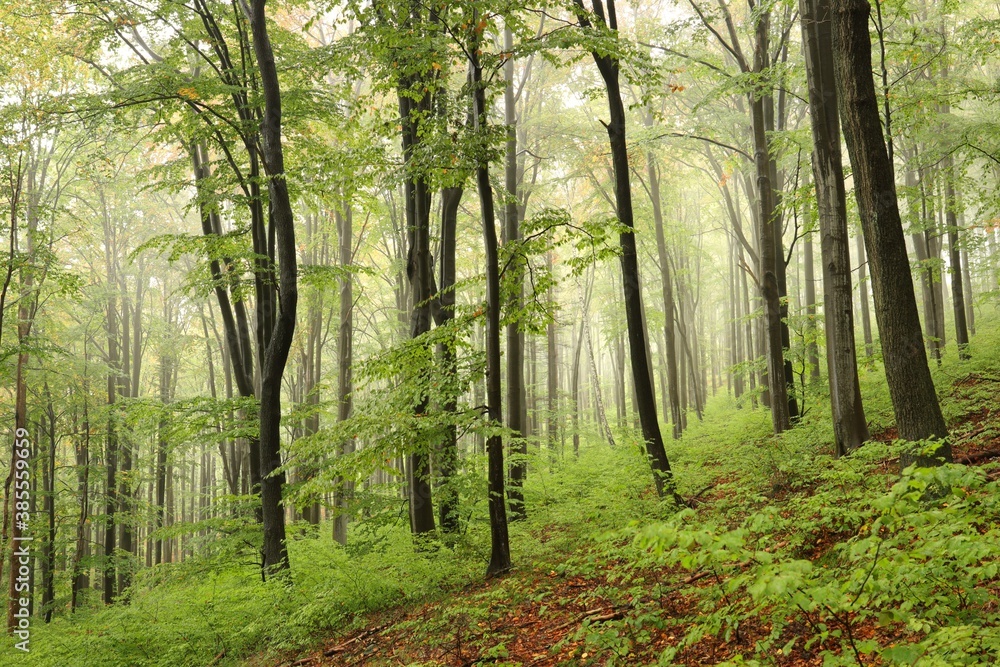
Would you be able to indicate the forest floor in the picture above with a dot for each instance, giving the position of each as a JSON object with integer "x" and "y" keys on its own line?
{"x": 591, "y": 595}
{"x": 787, "y": 556}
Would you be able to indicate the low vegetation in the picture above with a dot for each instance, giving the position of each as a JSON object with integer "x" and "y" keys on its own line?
{"x": 785, "y": 556}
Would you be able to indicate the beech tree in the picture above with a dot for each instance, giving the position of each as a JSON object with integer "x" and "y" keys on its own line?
{"x": 344, "y": 291}
{"x": 915, "y": 403}
{"x": 849, "y": 425}
{"x": 607, "y": 64}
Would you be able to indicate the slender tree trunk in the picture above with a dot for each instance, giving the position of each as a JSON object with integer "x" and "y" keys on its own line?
{"x": 49, "y": 503}
{"x": 735, "y": 340}
{"x": 776, "y": 384}
{"x": 161, "y": 449}
{"x": 80, "y": 580}
{"x": 515, "y": 338}
{"x": 748, "y": 327}
{"x": 602, "y": 418}
{"x": 552, "y": 369}
{"x": 666, "y": 284}
{"x": 935, "y": 294}
{"x": 850, "y": 428}
{"x": 275, "y": 354}
{"x": 970, "y": 311}
{"x": 25, "y": 319}
{"x": 111, "y": 466}
{"x": 418, "y": 269}
{"x": 448, "y": 505}
{"x": 812, "y": 345}
{"x": 235, "y": 323}
{"x": 575, "y": 379}
{"x": 919, "y": 241}
{"x": 500, "y": 544}
{"x": 915, "y": 403}
{"x": 345, "y": 361}
{"x": 618, "y": 368}
{"x": 955, "y": 256}
{"x": 653, "y": 439}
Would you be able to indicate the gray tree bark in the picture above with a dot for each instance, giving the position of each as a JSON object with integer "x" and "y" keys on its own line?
{"x": 850, "y": 428}
{"x": 911, "y": 388}
{"x": 609, "y": 69}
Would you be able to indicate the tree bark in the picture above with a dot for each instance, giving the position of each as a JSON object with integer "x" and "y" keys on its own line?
{"x": 552, "y": 369}
{"x": 609, "y": 69}
{"x": 515, "y": 338}
{"x": 970, "y": 311}
{"x": 499, "y": 540}
{"x": 776, "y": 384}
{"x": 49, "y": 478}
{"x": 345, "y": 360}
{"x": 850, "y": 428}
{"x": 955, "y": 256}
{"x": 809, "y": 277}
{"x": 418, "y": 271}
{"x": 911, "y": 388}
{"x": 666, "y": 284}
{"x": 80, "y": 580}
{"x": 448, "y": 501}
{"x": 275, "y": 353}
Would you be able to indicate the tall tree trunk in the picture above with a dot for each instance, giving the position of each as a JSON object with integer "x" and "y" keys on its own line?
{"x": 618, "y": 368}
{"x": 768, "y": 275}
{"x": 575, "y": 389}
{"x": 748, "y": 328}
{"x": 111, "y": 467}
{"x": 515, "y": 338}
{"x": 911, "y": 388}
{"x": 812, "y": 344}
{"x": 345, "y": 360}
{"x": 850, "y": 428}
{"x": 653, "y": 439}
{"x": 666, "y": 284}
{"x": 448, "y": 501}
{"x": 499, "y": 540}
{"x": 316, "y": 253}
{"x": 49, "y": 478}
{"x": 418, "y": 270}
{"x": 80, "y": 579}
{"x": 970, "y": 311}
{"x": 552, "y": 369}
{"x": 26, "y": 306}
{"x": 919, "y": 240}
{"x": 932, "y": 257}
{"x": 735, "y": 314}
{"x": 129, "y": 379}
{"x": 113, "y": 385}
{"x": 955, "y": 255}
{"x": 235, "y": 323}
{"x": 602, "y": 417}
{"x": 161, "y": 449}
{"x": 275, "y": 354}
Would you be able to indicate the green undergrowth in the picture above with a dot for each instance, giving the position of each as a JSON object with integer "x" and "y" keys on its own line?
{"x": 192, "y": 613}
{"x": 217, "y": 611}
{"x": 802, "y": 555}
{"x": 785, "y": 553}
